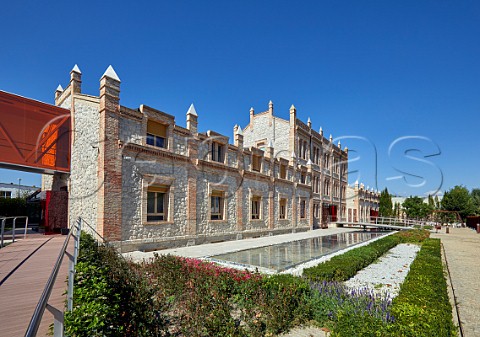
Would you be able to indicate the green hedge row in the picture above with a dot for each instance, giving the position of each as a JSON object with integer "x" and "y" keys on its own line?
{"x": 342, "y": 267}
{"x": 422, "y": 307}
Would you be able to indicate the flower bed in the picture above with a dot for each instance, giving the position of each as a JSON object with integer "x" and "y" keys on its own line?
{"x": 174, "y": 296}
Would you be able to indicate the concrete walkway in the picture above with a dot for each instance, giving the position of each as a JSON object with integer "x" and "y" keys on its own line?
{"x": 462, "y": 253}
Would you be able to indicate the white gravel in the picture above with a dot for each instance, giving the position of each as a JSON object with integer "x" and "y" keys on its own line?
{"x": 386, "y": 275}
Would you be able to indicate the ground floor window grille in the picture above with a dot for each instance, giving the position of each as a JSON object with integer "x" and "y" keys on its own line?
{"x": 256, "y": 208}
{"x": 216, "y": 206}
{"x": 283, "y": 208}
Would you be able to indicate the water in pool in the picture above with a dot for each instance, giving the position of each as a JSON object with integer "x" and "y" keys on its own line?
{"x": 289, "y": 254}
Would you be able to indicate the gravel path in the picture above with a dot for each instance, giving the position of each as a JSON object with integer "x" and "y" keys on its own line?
{"x": 386, "y": 275}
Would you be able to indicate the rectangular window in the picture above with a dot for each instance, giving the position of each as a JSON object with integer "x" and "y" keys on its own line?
{"x": 303, "y": 206}
{"x": 216, "y": 206}
{"x": 217, "y": 152}
{"x": 256, "y": 208}
{"x": 283, "y": 208}
{"x": 283, "y": 171}
{"x": 262, "y": 145}
{"x": 6, "y": 194}
{"x": 303, "y": 178}
{"x": 157, "y": 203}
{"x": 256, "y": 163}
{"x": 156, "y": 134}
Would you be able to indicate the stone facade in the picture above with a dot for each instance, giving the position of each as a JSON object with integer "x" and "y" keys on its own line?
{"x": 362, "y": 203}
{"x": 178, "y": 186}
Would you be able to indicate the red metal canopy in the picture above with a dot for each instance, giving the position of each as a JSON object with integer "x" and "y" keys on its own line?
{"x": 34, "y": 136}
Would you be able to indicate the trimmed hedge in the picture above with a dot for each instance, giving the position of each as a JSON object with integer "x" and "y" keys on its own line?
{"x": 342, "y": 267}
{"x": 422, "y": 307}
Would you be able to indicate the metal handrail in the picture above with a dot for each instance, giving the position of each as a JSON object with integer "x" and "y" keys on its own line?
{"x": 43, "y": 302}
{"x": 2, "y": 229}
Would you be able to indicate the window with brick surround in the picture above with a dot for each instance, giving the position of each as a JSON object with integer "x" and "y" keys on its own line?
{"x": 283, "y": 209}
{"x": 303, "y": 209}
{"x": 256, "y": 207}
{"x": 217, "y": 202}
{"x": 217, "y": 152}
{"x": 157, "y": 203}
{"x": 283, "y": 171}
{"x": 157, "y": 134}
{"x": 256, "y": 163}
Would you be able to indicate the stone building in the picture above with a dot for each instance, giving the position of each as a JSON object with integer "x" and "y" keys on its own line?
{"x": 145, "y": 182}
{"x": 362, "y": 203}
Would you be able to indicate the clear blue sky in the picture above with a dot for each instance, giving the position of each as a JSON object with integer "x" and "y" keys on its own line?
{"x": 378, "y": 70}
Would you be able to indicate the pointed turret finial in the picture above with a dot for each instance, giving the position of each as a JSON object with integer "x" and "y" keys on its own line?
{"x": 270, "y": 104}
{"x": 191, "y": 110}
{"x": 110, "y": 73}
{"x": 59, "y": 88}
{"x": 294, "y": 156}
{"x": 76, "y": 69}
{"x": 309, "y": 162}
{"x": 239, "y": 131}
{"x": 339, "y": 145}
{"x": 331, "y": 138}
{"x": 292, "y": 107}
{"x": 309, "y": 122}
{"x": 270, "y": 143}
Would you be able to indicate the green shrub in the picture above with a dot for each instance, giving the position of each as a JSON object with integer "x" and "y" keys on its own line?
{"x": 422, "y": 307}
{"x": 342, "y": 267}
{"x": 13, "y": 207}
{"x": 111, "y": 297}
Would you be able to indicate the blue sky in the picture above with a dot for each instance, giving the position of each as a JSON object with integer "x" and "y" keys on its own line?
{"x": 401, "y": 75}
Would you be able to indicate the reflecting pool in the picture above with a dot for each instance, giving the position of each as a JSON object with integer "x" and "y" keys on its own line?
{"x": 289, "y": 254}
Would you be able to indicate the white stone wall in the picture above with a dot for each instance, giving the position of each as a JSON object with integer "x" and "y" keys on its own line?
{"x": 266, "y": 126}
{"x": 133, "y": 198}
{"x": 180, "y": 144}
{"x": 131, "y": 131}
{"x": 84, "y": 160}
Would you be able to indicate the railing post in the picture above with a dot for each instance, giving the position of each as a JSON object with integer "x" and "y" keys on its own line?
{"x": 13, "y": 230}
{"x": 26, "y": 227}
{"x": 2, "y": 230}
{"x": 73, "y": 261}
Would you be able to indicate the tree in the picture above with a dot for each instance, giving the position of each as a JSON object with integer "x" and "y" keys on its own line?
{"x": 459, "y": 199}
{"x": 475, "y": 194}
{"x": 385, "y": 204}
{"x": 396, "y": 210}
{"x": 414, "y": 207}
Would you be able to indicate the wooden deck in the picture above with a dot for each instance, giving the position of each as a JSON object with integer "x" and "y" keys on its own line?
{"x": 24, "y": 270}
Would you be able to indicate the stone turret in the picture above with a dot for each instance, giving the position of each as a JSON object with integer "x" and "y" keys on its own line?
{"x": 192, "y": 120}
{"x": 58, "y": 91}
{"x": 109, "y": 163}
{"x": 76, "y": 80}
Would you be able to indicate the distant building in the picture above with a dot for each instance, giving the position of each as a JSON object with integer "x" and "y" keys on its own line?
{"x": 11, "y": 190}
{"x": 362, "y": 203}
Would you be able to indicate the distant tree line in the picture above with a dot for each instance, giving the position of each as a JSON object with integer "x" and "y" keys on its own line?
{"x": 457, "y": 200}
